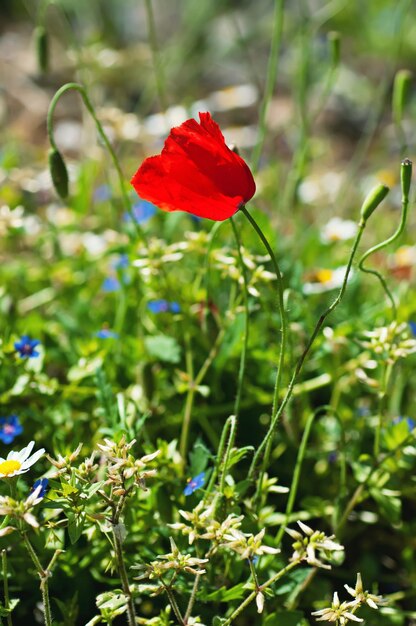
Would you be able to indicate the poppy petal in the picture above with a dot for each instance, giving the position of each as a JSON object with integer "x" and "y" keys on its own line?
{"x": 196, "y": 172}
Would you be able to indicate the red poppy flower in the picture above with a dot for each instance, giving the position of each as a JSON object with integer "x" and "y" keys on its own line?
{"x": 196, "y": 172}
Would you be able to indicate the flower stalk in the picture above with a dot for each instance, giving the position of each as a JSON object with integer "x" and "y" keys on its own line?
{"x": 265, "y": 446}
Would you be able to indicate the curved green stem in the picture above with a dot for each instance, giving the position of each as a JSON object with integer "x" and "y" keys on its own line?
{"x": 189, "y": 402}
{"x": 121, "y": 566}
{"x": 296, "y": 475}
{"x": 272, "y": 69}
{"x": 280, "y": 303}
{"x": 266, "y": 444}
{"x": 243, "y": 358}
{"x": 384, "y": 244}
{"x": 88, "y": 104}
{"x": 158, "y": 68}
{"x": 230, "y": 444}
{"x": 282, "y": 312}
{"x": 227, "y": 427}
{"x": 44, "y": 582}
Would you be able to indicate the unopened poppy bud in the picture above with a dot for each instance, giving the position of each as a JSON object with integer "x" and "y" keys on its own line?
{"x": 59, "y": 173}
{"x": 334, "y": 40}
{"x": 42, "y": 48}
{"x": 400, "y": 93}
{"x": 374, "y": 198}
{"x": 406, "y": 177}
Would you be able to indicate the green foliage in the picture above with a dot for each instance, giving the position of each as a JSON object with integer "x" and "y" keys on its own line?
{"x": 149, "y": 394}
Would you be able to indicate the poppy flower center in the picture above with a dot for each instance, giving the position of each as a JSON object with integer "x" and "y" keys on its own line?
{"x": 8, "y": 467}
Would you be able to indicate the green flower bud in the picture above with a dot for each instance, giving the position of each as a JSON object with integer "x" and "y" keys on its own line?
{"x": 148, "y": 381}
{"x": 374, "y": 198}
{"x": 334, "y": 40}
{"x": 406, "y": 177}
{"x": 42, "y": 48}
{"x": 59, "y": 173}
{"x": 400, "y": 93}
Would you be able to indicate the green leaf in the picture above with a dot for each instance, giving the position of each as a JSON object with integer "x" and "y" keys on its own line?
{"x": 227, "y": 595}
{"x": 218, "y": 621}
{"x": 163, "y": 348}
{"x": 12, "y": 605}
{"x": 237, "y": 454}
{"x": 76, "y": 525}
{"x": 68, "y": 489}
{"x": 389, "y": 504}
{"x": 199, "y": 458}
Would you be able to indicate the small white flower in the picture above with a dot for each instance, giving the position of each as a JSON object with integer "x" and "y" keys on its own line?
{"x": 260, "y": 602}
{"x": 339, "y": 612}
{"x": 19, "y": 462}
{"x": 338, "y": 229}
{"x": 364, "y": 597}
{"x": 322, "y": 280}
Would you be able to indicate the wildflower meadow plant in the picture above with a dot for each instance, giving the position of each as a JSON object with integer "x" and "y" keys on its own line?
{"x": 226, "y": 394}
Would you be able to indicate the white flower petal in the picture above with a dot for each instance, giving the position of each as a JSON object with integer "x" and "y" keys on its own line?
{"x": 32, "y": 460}
{"x": 23, "y": 454}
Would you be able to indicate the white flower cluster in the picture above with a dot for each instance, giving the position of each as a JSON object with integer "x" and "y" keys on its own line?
{"x": 311, "y": 542}
{"x": 343, "y": 612}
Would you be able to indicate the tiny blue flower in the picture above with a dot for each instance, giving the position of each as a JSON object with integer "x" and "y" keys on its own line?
{"x": 121, "y": 263}
{"x": 158, "y": 306}
{"x": 102, "y": 193}
{"x": 163, "y": 306}
{"x": 194, "y": 484}
{"x": 142, "y": 211}
{"x": 106, "y": 333}
{"x": 44, "y": 484}
{"x": 110, "y": 284}
{"x": 411, "y": 424}
{"x": 26, "y": 347}
{"x": 10, "y": 427}
{"x": 413, "y": 327}
{"x": 333, "y": 456}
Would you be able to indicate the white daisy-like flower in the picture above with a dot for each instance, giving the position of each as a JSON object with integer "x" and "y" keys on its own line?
{"x": 322, "y": 280}
{"x": 19, "y": 462}
{"x": 338, "y": 229}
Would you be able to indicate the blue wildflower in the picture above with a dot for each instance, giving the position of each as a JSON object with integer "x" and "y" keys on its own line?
{"x": 106, "y": 333}
{"x": 412, "y": 326}
{"x": 194, "y": 484}
{"x": 122, "y": 262}
{"x": 163, "y": 306}
{"x": 10, "y": 427}
{"x": 411, "y": 424}
{"x": 110, "y": 284}
{"x": 44, "y": 484}
{"x": 141, "y": 211}
{"x": 102, "y": 193}
{"x": 26, "y": 347}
